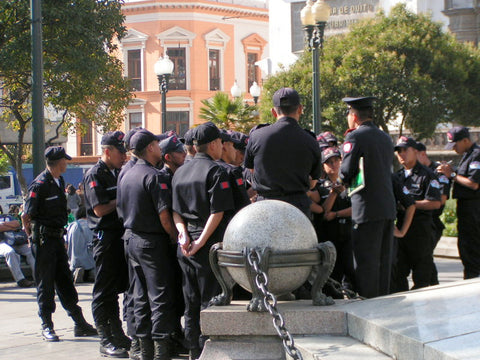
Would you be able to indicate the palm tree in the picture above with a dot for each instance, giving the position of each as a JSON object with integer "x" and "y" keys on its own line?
{"x": 227, "y": 113}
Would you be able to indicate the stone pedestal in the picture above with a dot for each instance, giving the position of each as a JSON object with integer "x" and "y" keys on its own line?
{"x": 236, "y": 334}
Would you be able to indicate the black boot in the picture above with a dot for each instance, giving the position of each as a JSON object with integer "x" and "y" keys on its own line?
{"x": 146, "y": 349}
{"x": 162, "y": 350}
{"x": 194, "y": 354}
{"x": 107, "y": 348}
{"x": 82, "y": 327}
{"x": 119, "y": 337}
{"x": 135, "y": 353}
{"x": 48, "y": 333}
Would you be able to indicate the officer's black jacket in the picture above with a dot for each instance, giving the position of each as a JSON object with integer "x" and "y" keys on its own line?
{"x": 338, "y": 229}
{"x": 375, "y": 201}
{"x": 46, "y": 202}
{"x": 100, "y": 186}
{"x": 201, "y": 187}
{"x": 421, "y": 184}
{"x": 239, "y": 191}
{"x": 283, "y": 156}
{"x": 469, "y": 167}
{"x": 143, "y": 193}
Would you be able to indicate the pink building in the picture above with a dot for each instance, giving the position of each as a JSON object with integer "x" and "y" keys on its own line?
{"x": 211, "y": 43}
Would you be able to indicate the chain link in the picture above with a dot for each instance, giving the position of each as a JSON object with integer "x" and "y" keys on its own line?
{"x": 261, "y": 280}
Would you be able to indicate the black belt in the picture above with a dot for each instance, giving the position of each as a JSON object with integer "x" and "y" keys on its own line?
{"x": 51, "y": 231}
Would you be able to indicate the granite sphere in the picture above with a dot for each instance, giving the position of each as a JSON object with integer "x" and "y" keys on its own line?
{"x": 279, "y": 226}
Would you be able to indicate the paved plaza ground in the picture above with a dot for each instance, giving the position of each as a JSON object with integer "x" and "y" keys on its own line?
{"x": 20, "y": 326}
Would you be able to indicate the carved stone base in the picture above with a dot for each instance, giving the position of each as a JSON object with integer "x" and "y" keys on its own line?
{"x": 243, "y": 347}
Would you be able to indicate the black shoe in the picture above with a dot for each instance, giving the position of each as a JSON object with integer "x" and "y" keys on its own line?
{"x": 49, "y": 335}
{"x": 162, "y": 350}
{"x": 110, "y": 350}
{"x": 135, "y": 353}
{"x": 24, "y": 283}
{"x": 146, "y": 348}
{"x": 118, "y": 336}
{"x": 84, "y": 329}
{"x": 107, "y": 348}
{"x": 177, "y": 344}
{"x": 194, "y": 354}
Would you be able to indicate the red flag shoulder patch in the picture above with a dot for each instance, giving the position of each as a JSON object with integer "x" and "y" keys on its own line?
{"x": 33, "y": 194}
{"x": 347, "y": 147}
{"x": 224, "y": 185}
{"x": 240, "y": 182}
{"x": 163, "y": 186}
{"x": 93, "y": 184}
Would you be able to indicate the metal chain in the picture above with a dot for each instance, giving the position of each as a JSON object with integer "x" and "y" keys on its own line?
{"x": 261, "y": 280}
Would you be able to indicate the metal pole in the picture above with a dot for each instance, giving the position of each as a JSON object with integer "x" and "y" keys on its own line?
{"x": 38, "y": 131}
{"x": 316, "y": 91}
{"x": 163, "y": 81}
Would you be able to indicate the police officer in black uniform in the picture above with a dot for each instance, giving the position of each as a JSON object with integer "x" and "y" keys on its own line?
{"x": 144, "y": 206}
{"x": 129, "y": 316}
{"x": 201, "y": 196}
{"x": 173, "y": 153}
{"x": 235, "y": 174}
{"x": 466, "y": 184}
{"x": 415, "y": 249}
{"x": 335, "y": 223}
{"x": 111, "y": 279}
{"x": 44, "y": 220}
{"x": 445, "y": 186}
{"x": 188, "y": 141}
{"x": 373, "y": 207}
{"x": 283, "y": 156}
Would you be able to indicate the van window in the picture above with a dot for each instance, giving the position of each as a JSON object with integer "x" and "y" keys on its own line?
{"x": 4, "y": 182}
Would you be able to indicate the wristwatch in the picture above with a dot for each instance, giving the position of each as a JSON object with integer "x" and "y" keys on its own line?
{"x": 453, "y": 175}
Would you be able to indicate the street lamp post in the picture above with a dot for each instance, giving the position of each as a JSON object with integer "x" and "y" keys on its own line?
{"x": 314, "y": 17}
{"x": 163, "y": 69}
{"x": 236, "y": 91}
{"x": 255, "y": 92}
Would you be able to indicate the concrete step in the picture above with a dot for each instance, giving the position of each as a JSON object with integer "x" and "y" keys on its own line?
{"x": 327, "y": 347}
{"x": 447, "y": 247}
{"x": 435, "y": 323}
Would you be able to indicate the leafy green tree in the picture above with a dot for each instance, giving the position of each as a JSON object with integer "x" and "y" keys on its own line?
{"x": 83, "y": 78}
{"x": 226, "y": 113}
{"x": 421, "y": 76}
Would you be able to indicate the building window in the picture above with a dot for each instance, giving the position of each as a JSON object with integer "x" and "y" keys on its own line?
{"x": 178, "y": 121}
{"x": 178, "y": 80}
{"x": 134, "y": 120}
{"x": 252, "y": 70}
{"x": 86, "y": 140}
{"x": 135, "y": 69}
{"x": 214, "y": 69}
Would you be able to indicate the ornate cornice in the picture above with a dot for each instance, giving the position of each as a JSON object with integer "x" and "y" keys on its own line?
{"x": 227, "y": 10}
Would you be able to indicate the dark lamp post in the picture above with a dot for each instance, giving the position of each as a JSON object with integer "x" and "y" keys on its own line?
{"x": 255, "y": 91}
{"x": 314, "y": 17}
{"x": 163, "y": 69}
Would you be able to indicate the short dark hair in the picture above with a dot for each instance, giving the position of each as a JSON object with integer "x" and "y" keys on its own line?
{"x": 202, "y": 148}
{"x": 140, "y": 153}
{"x": 286, "y": 110}
{"x": 52, "y": 163}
